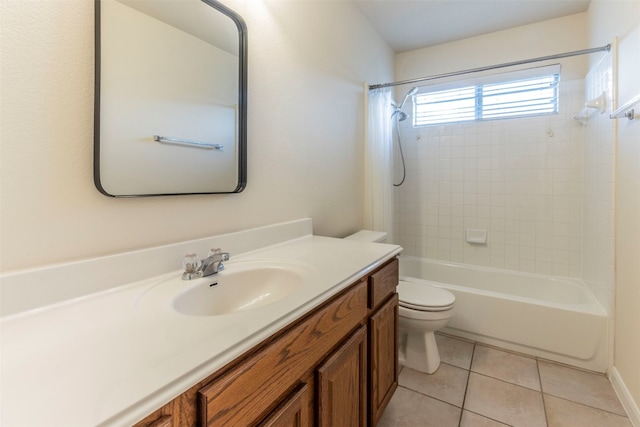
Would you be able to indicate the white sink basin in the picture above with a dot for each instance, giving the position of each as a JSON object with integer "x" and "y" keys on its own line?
{"x": 233, "y": 291}
{"x": 244, "y": 285}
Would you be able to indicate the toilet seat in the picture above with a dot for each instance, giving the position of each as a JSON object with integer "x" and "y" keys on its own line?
{"x": 424, "y": 297}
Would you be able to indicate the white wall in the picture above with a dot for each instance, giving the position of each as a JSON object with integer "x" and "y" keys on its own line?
{"x": 307, "y": 65}
{"x": 609, "y": 19}
{"x": 528, "y": 41}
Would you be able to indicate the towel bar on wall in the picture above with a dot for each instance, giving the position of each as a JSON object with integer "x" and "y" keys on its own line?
{"x": 626, "y": 110}
{"x": 190, "y": 142}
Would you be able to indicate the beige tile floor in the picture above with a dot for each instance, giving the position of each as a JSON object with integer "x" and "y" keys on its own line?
{"x": 481, "y": 386}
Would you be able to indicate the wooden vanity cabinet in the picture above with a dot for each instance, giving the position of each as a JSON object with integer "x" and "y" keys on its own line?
{"x": 245, "y": 393}
{"x": 336, "y": 366}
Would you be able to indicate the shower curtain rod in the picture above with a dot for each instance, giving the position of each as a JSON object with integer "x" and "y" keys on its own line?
{"x": 493, "y": 67}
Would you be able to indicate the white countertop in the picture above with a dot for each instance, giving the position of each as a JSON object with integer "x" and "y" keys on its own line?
{"x": 112, "y": 357}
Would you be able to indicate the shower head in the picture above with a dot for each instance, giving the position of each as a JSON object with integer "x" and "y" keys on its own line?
{"x": 398, "y": 113}
{"x": 410, "y": 93}
{"x": 397, "y": 110}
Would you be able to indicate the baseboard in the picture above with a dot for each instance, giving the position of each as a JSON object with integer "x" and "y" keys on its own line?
{"x": 625, "y": 397}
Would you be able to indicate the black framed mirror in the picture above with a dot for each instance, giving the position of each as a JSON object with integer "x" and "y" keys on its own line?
{"x": 170, "y": 98}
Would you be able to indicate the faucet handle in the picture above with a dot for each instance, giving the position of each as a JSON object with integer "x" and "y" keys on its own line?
{"x": 224, "y": 256}
{"x": 191, "y": 266}
{"x": 190, "y": 263}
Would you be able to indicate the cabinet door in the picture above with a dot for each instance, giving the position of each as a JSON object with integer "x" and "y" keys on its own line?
{"x": 294, "y": 412}
{"x": 383, "y": 339}
{"x": 342, "y": 382}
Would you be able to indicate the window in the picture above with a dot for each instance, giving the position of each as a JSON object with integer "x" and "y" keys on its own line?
{"x": 530, "y": 96}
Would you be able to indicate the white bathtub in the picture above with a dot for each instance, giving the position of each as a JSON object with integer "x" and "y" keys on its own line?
{"x": 553, "y": 318}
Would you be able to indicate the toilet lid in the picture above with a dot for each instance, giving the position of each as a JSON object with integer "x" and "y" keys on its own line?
{"x": 421, "y": 296}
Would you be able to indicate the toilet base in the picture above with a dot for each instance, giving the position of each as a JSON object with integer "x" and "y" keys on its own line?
{"x": 420, "y": 352}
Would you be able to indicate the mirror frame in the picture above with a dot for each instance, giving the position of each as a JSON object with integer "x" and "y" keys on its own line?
{"x": 242, "y": 104}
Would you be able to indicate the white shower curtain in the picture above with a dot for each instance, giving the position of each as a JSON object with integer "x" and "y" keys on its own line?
{"x": 378, "y": 185}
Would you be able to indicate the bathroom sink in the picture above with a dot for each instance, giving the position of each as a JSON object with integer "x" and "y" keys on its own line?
{"x": 234, "y": 291}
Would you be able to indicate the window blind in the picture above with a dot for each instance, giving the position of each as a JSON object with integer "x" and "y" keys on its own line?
{"x": 488, "y": 100}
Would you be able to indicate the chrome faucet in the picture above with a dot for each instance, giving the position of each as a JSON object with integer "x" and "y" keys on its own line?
{"x": 212, "y": 264}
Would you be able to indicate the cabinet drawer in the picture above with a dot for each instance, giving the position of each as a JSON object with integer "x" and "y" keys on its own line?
{"x": 243, "y": 395}
{"x": 383, "y": 283}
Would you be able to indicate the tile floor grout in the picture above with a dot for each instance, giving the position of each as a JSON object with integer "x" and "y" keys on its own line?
{"x": 447, "y": 403}
{"x": 581, "y": 404}
{"x": 544, "y": 406}
{"x": 568, "y": 394}
{"x": 466, "y": 386}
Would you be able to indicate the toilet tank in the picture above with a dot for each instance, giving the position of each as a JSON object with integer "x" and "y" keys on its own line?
{"x": 368, "y": 236}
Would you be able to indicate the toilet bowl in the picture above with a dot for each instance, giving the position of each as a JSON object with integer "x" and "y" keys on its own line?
{"x": 423, "y": 310}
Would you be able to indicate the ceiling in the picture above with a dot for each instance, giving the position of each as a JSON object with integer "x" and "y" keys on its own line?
{"x": 413, "y": 24}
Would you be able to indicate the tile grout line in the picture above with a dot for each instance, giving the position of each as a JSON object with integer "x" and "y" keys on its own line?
{"x": 507, "y": 382}
{"x": 583, "y": 405}
{"x": 544, "y": 404}
{"x": 466, "y": 386}
{"x": 492, "y": 419}
{"x": 541, "y": 391}
{"x": 426, "y": 395}
{"x": 586, "y": 371}
{"x": 513, "y": 384}
{"x": 430, "y": 397}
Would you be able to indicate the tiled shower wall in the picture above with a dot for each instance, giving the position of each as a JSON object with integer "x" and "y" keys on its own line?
{"x": 519, "y": 179}
{"x": 599, "y": 158}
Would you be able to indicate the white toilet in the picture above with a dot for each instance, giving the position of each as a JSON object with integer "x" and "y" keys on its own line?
{"x": 424, "y": 309}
